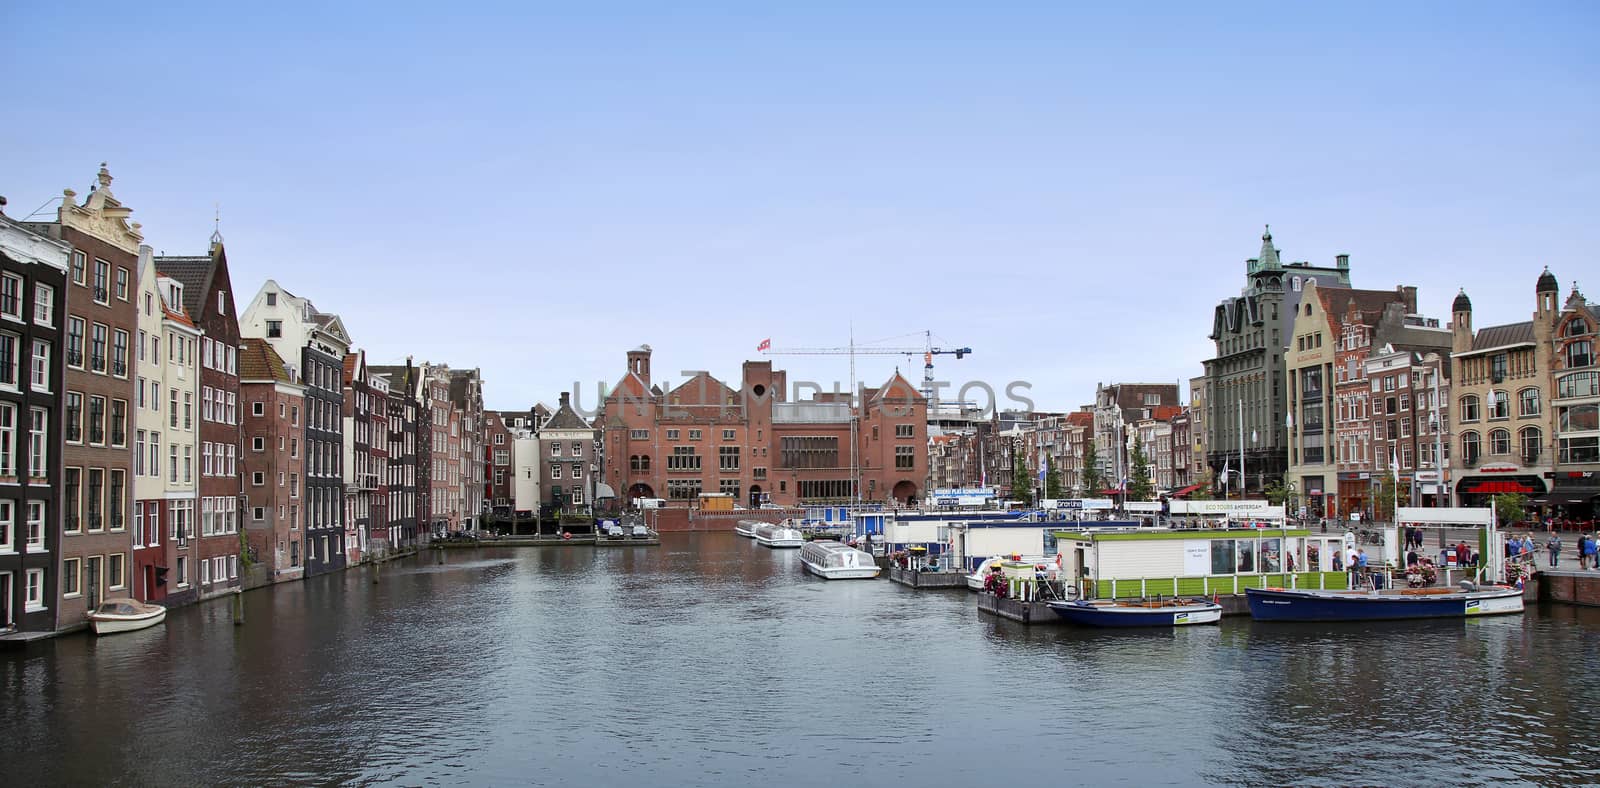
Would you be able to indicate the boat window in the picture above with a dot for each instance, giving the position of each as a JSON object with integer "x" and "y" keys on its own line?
{"x": 109, "y": 607}
{"x": 1222, "y": 556}
{"x": 1246, "y": 550}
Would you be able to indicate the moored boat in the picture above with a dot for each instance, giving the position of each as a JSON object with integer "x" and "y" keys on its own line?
{"x": 1281, "y": 604}
{"x": 747, "y": 528}
{"x": 778, "y": 535}
{"x": 1175, "y": 612}
{"x": 975, "y": 580}
{"x": 837, "y": 561}
{"x": 125, "y": 615}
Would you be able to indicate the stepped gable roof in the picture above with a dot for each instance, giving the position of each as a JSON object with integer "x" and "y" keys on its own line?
{"x": 1502, "y": 336}
{"x": 258, "y": 361}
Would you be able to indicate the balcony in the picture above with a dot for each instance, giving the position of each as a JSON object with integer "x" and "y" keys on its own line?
{"x": 119, "y": 368}
{"x": 101, "y": 295}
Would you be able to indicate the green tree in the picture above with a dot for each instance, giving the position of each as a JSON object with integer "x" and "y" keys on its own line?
{"x": 1052, "y": 481}
{"x": 1383, "y": 506}
{"x": 1511, "y": 508}
{"x": 1093, "y": 483}
{"x": 1277, "y": 493}
{"x": 1139, "y": 487}
{"x": 1021, "y": 482}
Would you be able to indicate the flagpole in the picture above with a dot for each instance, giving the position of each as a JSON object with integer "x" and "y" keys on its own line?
{"x": 1243, "y": 480}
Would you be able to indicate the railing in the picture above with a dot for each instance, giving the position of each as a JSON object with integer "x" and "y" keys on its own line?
{"x": 75, "y": 358}
{"x": 101, "y": 295}
{"x": 119, "y": 368}
{"x": 1207, "y": 585}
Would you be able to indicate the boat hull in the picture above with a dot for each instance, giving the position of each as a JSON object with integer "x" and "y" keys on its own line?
{"x": 746, "y": 533}
{"x": 842, "y": 573}
{"x": 782, "y": 544}
{"x": 1287, "y": 605}
{"x": 1117, "y": 616}
{"x": 111, "y": 625}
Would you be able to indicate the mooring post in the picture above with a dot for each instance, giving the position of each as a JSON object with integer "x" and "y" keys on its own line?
{"x": 238, "y": 607}
{"x": 375, "y": 565}
{"x": 440, "y": 551}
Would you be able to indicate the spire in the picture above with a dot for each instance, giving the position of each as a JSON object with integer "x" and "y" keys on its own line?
{"x": 1269, "y": 254}
{"x": 216, "y": 224}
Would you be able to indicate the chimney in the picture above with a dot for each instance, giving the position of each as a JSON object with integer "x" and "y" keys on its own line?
{"x": 1342, "y": 260}
{"x": 565, "y": 399}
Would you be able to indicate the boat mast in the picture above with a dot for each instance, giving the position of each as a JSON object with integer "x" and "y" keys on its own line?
{"x": 855, "y": 414}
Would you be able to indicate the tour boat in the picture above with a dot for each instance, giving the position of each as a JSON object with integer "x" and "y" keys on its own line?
{"x": 125, "y": 615}
{"x": 778, "y": 535}
{"x": 746, "y": 528}
{"x": 975, "y": 580}
{"x": 1174, "y": 612}
{"x": 832, "y": 560}
{"x": 1281, "y": 604}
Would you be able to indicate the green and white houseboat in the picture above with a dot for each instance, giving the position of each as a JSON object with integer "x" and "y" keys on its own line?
{"x": 1152, "y": 562}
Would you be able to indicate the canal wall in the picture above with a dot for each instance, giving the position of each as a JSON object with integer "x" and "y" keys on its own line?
{"x": 1572, "y": 586}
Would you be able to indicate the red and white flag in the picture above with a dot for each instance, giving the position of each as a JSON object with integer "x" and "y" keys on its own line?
{"x": 766, "y": 344}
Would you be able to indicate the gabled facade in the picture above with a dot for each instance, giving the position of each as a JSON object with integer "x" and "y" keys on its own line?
{"x": 407, "y": 458}
{"x": 363, "y": 415}
{"x": 1575, "y": 406}
{"x": 466, "y": 399}
{"x": 166, "y": 434}
{"x": 210, "y": 561}
{"x": 100, "y": 323}
{"x": 33, "y": 287}
{"x": 567, "y": 457}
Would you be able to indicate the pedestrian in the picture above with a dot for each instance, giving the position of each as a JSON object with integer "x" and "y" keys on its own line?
{"x": 1351, "y": 559}
{"x": 1554, "y": 546}
{"x": 1338, "y": 561}
{"x": 1361, "y": 562}
{"x": 1589, "y": 549}
{"x": 1583, "y": 551}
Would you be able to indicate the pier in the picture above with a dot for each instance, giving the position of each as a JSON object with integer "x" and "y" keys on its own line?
{"x": 1571, "y": 586}
{"x": 916, "y": 579}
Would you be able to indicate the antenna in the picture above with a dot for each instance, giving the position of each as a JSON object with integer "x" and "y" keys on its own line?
{"x": 216, "y": 223}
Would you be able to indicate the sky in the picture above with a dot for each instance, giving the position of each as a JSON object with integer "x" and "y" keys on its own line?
{"x": 533, "y": 189}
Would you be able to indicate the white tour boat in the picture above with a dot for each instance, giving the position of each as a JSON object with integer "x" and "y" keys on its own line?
{"x": 779, "y": 535}
{"x": 835, "y": 561}
{"x": 125, "y": 615}
{"x": 975, "y": 580}
{"x": 746, "y": 528}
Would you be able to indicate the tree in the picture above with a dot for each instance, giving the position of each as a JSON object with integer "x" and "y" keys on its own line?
{"x": 1383, "y": 505}
{"x": 1021, "y": 482}
{"x": 1052, "y": 481}
{"x": 1510, "y": 508}
{"x": 1139, "y": 487}
{"x": 1093, "y": 483}
{"x": 1277, "y": 493}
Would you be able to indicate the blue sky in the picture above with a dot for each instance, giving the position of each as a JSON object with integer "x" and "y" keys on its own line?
{"x": 1068, "y": 190}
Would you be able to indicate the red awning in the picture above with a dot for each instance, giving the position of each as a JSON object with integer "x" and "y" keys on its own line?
{"x": 1185, "y": 491}
{"x": 1110, "y": 492}
{"x": 1497, "y": 488}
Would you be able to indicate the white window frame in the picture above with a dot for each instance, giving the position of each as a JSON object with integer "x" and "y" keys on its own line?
{"x": 33, "y": 591}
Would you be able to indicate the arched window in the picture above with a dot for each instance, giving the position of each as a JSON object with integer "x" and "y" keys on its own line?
{"x": 1469, "y": 408}
{"x": 1577, "y": 327}
{"x": 1471, "y": 449}
{"x": 1499, "y": 405}
{"x": 1528, "y": 402}
{"x": 1295, "y": 283}
{"x": 1580, "y": 384}
{"x": 1532, "y": 441}
{"x": 1500, "y": 441}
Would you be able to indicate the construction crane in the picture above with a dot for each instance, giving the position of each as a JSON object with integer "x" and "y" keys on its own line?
{"x": 927, "y": 351}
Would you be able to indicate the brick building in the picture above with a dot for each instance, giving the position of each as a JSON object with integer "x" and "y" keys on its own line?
{"x": 33, "y": 286}
{"x": 100, "y": 323}
{"x": 210, "y": 561}
{"x": 271, "y": 395}
{"x": 750, "y": 442}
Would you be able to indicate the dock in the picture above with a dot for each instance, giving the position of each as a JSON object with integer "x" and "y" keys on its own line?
{"x": 915, "y": 579}
{"x": 1039, "y": 613}
{"x": 1571, "y": 586}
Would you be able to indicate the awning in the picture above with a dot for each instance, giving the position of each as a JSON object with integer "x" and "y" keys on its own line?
{"x": 1564, "y": 498}
{"x": 1499, "y": 488}
{"x": 1185, "y": 491}
{"x": 1110, "y": 492}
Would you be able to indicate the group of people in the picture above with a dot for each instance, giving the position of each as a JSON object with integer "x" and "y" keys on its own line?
{"x": 1588, "y": 550}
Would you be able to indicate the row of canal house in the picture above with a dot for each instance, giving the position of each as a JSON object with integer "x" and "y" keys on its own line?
{"x": 156, "y": 442}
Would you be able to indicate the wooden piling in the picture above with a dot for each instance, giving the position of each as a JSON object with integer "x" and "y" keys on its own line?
{"x": 238, "y": 608}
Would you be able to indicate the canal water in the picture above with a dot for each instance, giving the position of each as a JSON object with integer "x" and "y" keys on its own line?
{"x": 712, "y": 661}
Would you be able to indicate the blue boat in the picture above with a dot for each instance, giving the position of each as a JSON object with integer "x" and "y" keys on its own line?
{"x": 1279, "y": 604}
{"x": 1140, "y": 613}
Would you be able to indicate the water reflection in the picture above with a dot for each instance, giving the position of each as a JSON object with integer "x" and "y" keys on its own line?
{"x": 711, "y": 660}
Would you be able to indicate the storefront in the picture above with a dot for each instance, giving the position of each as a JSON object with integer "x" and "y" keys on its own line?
{"x": 1477, "y": 490}
{"x": 1574, "y": 496}
{"x": 1355, "y": 493}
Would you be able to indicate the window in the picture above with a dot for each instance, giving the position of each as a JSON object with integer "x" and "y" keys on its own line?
{"x": 639, "y": 435}
{"x": 8, "y": 441}
{"x": 1579, "y": 384}
{"x": 727, "y": 435}
{"x": 205, "y": 567}
{"x": 272, "y": 299}
{"x": 75, "y": 329}
{"x": 1497, "y": 367}
{"x": 1532, "y": 444}
{"x": 11, "y": 295}
{"x": 71, "y": 576}
{"x": 1580, "y": 450}
{"x": 98, "y": 336}
{"x": 555, "y": 449}
{"x": 71, "y": 498}
{"x": 79, "y": 264}
{"x": 1499, "y": 405}
{"x": 694, "y": 435}
{"x": 502, "y": 457}
{"x": 274, "y": 329}
{"x": 1528, "y": 402}
{"x": 683, "y": 489}
{"x": 36, "y": 525}
{"x": 119, "y": 423}
{"x": 122, "y": 283}
{"x": 258, "y": 443}
{"x": 639, "y": 463}
{"x": 94, "y": 499}
{"x": 905, "y": 430}
{"x": 1580, "y": 354}
{"x": 1500, "y": 441}
{"x": 114, "y": 576}
{"x": 258, "y": 408}
{"x": 205, "y": 404}
{"x": 1470, "y": 448}
{"x": 102, "y": 281}
{"x": 8, "y": 527}
{"x": 672, "y": 435}
{"x": 205, "y": 459}
{"x": 905, "y": 457}
{"x": 577, "y": 449}
{"x": 44, "y": 304}
{"x": 33, "y": 599}
{"x": 10, "y": 346}
{"x": 577, "y": 470}
{"x": 97, "y": 421}
{"x": 74, "y": 417}
{"x": 40, "y": 378}
{"x": 1469, "y": 408}
{"x": 188, "y": 410}
{"x": 555, "y": 470}
{"x": 683, "y": 458}
{"x": 809, "y": 452}
{"x": 119, "y": 353}
{"x": 1578, "y": 418}
{"x": 39, "y": 443}
{"x": 183, "y": 571}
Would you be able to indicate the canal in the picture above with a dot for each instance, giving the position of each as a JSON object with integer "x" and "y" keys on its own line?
{"x": 712, "y": 661}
